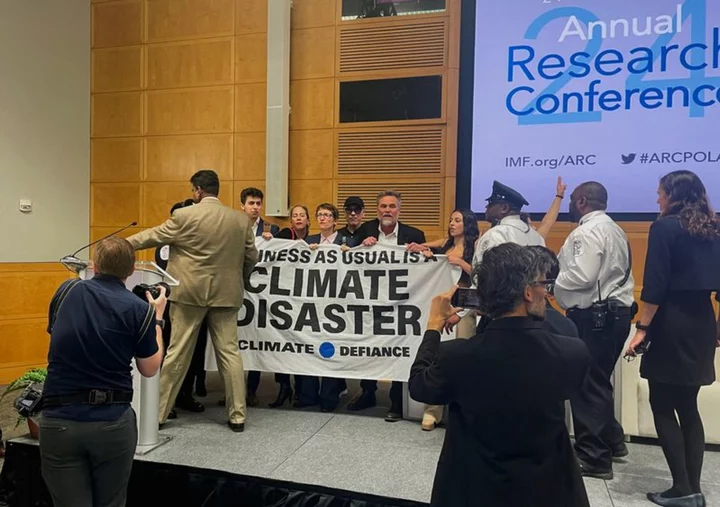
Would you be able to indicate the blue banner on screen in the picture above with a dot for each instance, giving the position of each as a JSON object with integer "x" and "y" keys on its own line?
{"x": 615, "y": 91}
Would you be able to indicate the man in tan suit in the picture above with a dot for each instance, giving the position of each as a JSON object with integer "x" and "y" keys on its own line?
{"x": 212, "y": 253}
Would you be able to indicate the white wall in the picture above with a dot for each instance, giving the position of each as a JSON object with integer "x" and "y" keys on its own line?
{"x": 44, "y": 128}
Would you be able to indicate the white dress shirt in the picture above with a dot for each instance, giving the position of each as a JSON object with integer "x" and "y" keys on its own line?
{"x": 511, "y": 229}
{"x": 597, "y": 250}
{"x": 388, "y": 239}
{"x": 330, "y": 239}
{"x": 255, "y": 226}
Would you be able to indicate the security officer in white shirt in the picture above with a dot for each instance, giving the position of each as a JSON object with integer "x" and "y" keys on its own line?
{"x": 503, "y": 212}
{"x": 596, "y": 286}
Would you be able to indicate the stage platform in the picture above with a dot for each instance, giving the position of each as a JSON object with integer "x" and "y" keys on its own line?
{"x": 290, "y": 457}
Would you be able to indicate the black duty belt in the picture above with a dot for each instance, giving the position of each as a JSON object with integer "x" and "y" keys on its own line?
{"x": 620, "y": 311}
{"x": 92, "y": 397}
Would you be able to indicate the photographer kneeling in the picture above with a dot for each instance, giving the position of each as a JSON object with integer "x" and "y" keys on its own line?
{"x": 506, "y": 443}
{"x": 88, "y": 431}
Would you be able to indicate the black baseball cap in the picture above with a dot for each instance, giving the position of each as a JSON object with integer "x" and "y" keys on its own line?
{"x": 354, "y": 202}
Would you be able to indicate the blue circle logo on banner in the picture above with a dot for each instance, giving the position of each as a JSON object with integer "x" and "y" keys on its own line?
{"x": 327, "y": 350}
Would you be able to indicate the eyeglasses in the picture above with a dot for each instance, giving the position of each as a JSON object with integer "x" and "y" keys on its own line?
{"x": 548, "y": 285}
{"x": 353, "y": 211}
{"x": 324, "y": 215}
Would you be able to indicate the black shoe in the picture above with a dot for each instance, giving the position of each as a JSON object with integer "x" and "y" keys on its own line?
{"x": 222, "y": 402}
{"x": 190, "y": 405}
{"x": 200, "y": 388}
{"x": 251, "y": 399}
{"x": 237, "y": 427}
{"x": 700, "y": 498}
{"x": 284, "y": 394}
{"x": 620, "y": 450}
{"x": 595, "y": 472}
{"x": 366, "y": 399}
{"x": 327, "y": 410}
{"x": 394, "y": 415}
{"x": 172, "y": 414}
{"x": 682, "y": 501}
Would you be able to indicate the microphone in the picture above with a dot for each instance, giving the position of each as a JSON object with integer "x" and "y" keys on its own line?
{"x": 74, "y": 264}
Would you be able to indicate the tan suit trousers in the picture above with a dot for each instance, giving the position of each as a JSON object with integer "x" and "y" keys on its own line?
{"x": 465, "y": 329}
{"x": 222, "y": 325}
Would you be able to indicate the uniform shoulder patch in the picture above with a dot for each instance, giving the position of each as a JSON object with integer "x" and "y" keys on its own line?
{"x": 578, "y": 247}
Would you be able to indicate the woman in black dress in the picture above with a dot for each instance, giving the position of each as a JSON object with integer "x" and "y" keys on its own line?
{"x": 678, "y": 327}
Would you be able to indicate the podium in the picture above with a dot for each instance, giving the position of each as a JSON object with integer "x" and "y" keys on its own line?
{"x": 146, "y": 397}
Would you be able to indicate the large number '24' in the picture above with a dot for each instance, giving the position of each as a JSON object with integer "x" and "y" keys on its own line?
{"x": 694, "y": 9}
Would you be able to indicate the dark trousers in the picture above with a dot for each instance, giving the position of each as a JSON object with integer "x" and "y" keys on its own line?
{"x": 196, "y": 371}
{"x": 324, "y": 391}
{"x": 395, "y": 392}
{"x": 88, "y": 464}
{"x": 253, "y": 381}
{"x": 597, "y": 431}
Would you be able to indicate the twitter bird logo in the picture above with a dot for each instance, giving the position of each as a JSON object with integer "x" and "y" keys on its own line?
{"x": 628, "y": 159}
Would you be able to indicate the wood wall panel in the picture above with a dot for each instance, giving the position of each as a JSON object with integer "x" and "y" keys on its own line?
{"x": 191, "y": 110}
{"x": 117, "y": 160}
{"x": 400, "y": 151}
{"x": 311, "y": 154}
{"x": 116, "y": 114}
{"x": 117, "y": 24}
{"x": 250, "y": 156}
{"x": 400, "y": 45}
{"x": 311, "y": 193}
{"x": 171, "y": 158}
{"x": 158, "y": 198}
{"x": 25, "y": 341}
{"x": 117, "y": 69}
{"x": 312, "y": 53}
{"x": 313, "y": 104}
{"x": 250, "y": 107}
{"x": 251, "y": 58}
{"x": 194, "y": 63}
{"x": 27, "y": 291}
{"x": 251, "y": 16}
{"x": 188, "y": 19}
{"x": 114, "y": 204}
{"x": 18, "y": 303}
{"x": 314, "y": 13}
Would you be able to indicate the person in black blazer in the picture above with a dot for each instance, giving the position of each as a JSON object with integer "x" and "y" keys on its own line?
{"x": 682, "y": 270}
{"x": 324, "y": 391}
{"x": 251, "y": 202}
{"x": 506, "y": 443}
{"x": 385, "y": 230}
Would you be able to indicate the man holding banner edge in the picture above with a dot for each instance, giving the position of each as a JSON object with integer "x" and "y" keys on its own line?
{"x": 385, "y": 230}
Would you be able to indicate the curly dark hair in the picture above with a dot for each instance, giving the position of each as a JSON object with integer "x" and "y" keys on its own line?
{"x": 471, "y": 233}
{"x": 687, "y": 199}
{"x": 502, "y": 276}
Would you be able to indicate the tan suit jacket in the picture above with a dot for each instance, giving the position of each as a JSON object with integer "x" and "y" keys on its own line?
{"x": 212, "y": 253}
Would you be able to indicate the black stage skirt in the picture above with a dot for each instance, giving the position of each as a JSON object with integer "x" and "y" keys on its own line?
{"x": 682, "y": 341}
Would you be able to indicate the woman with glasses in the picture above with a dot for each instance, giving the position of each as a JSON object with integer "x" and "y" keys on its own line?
{"x": 678, "y": 329}
{"x": 323, "y": 391}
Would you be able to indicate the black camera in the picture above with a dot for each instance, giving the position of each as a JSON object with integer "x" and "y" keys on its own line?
{"x": 140, "y": 289}
{"x": 29, "y": 402}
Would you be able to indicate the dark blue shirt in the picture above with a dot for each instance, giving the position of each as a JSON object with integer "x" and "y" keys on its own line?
{"x": 93, "y": 339}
